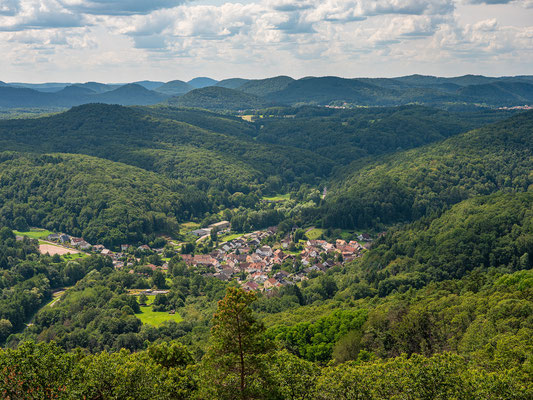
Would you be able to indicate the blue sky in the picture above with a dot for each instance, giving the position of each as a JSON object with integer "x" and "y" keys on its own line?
{"x": 128, "y": 40}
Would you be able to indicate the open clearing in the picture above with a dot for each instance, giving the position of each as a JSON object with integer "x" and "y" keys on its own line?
{"x": 53, "y": 249}
{"x": 278, "y": 197}
{"x": 74, "y": 256}
{"x": 34, "y": 233}
{"x": 314, "y": 233}
{"x": 147, "y": 316}
{"x": 230, "y": 237}
{"x": 187, "y": 227}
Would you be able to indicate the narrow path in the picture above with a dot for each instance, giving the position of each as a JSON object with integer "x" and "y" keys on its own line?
{"x": 56, "y": 296}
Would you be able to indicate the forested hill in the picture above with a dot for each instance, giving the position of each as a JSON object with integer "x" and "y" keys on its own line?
{"x": 218, "y": 98}
{"x": 204, "y": 162}
{"x": 484, "y": 232}
{"x": 195, "y": 147}
{"x": 409, "y": 185}
{"x": 214, "y": 150}
{"x": 347, "y": 135}
{"x": 103, "y": 201}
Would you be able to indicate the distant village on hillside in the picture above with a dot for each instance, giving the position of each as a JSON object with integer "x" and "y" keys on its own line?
{"x": 247, "y": 259}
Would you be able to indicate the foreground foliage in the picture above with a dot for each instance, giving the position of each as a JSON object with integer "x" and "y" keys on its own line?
{"x": 247, "y": 370}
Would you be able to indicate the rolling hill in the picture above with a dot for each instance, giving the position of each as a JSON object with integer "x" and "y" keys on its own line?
{"x": 174, "y": 88}
{"x": 131, "y": 94}
{"x": 218, "y": 98}
{"x": 150, "y": 85}
{"x": 264, "y": 87}
{"x": 347, "y": 135}
{"x": 192, "y": 150}
{"x": 498, "y": 93}
{"x": 232, "y": 83}
{"x": 325, "y": 90}
{"x": 201, "y": 82}
{"x": 98, "y": 87}
{"x": 409, "y": 185}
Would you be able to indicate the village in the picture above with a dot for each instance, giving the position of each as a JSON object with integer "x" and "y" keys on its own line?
{"x": 247, "y": 259}
{"x": 260, "y": 267}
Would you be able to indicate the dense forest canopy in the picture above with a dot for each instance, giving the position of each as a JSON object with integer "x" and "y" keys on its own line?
{"x": 408, "y": 185}
{"x": 98, "y": 199}
{"x": 151, "y": 168}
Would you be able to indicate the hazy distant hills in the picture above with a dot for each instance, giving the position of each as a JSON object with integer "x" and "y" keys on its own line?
{"x": 498, "y": 92}
{"x": 232, "y": 83}
{"x": 264, "y": 87}
{"x": 175, "y": 88}
{"x": 239, "y": 93}
{"x": 334, "y": 91}
{"x": 219, "y": 98}
{"x": 131, "y": 94}
{"x": 201, "y": 82}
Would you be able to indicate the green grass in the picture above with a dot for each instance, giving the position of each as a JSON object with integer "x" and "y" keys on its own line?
{"x": 278, "y": 197}
{"x": 147, "y": 316}
{"x": 314, "y": 234}
{"x": 187, "y": 227}
{"x": 71, "y": 257}
{"x": 34, "y": 233}
{"x": 229, "y": 237}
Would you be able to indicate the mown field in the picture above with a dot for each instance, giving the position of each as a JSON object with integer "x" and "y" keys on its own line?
{"x": 34, "y": 233}
{"x": 147, "y": 316}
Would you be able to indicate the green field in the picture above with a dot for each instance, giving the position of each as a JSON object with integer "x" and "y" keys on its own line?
{"x": 147, "y": 316}
{"x": 187, "y": 227}
{"x": 34, "y": 233}
{"x": 278, "y": 197}
{"x": 230, "y": 237}
{"x": 72, "y": 257}
{"x": 314, "y": 233}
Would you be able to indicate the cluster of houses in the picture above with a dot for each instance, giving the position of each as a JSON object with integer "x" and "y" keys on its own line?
{"x": 258, "y": 267}
{"x": 247, "y": 259}
{"x": 64, "y": 239}
{"x": 117, "y": 257}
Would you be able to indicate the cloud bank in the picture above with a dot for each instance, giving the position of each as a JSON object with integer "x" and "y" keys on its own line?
{"x": 178, "y": 39}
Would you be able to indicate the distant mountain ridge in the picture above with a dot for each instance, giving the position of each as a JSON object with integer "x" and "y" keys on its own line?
{"x": 240, "y": 93}
{"x": 131, "y": 94}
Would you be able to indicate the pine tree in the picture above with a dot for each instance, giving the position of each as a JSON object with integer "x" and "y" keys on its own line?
{"x": 235, "y": 362}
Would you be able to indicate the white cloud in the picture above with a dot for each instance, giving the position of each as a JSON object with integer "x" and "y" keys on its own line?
{"x": 263, "y": 37}
{"x": 35, "y": 14}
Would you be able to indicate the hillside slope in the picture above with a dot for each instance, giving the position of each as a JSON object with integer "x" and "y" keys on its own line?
{"x": 408, "y": 185}
{"x": 482, "y": 232}
{"x": 103, "y": 201}
{"x": 191, "y": 150}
